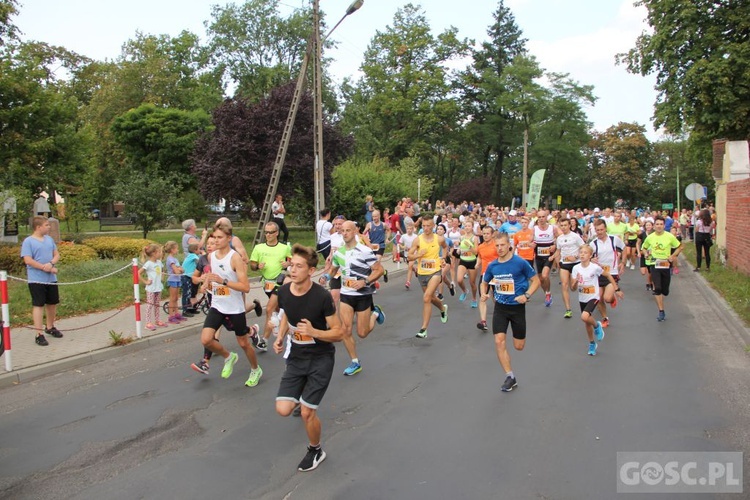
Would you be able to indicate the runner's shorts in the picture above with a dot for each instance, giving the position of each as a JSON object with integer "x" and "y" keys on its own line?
{"x": 589, "y": 306}
{"x": 541, "y": 263}
{"x": 358, "y": 302}
{"x": 515, "y": 316}
{"x": 468, "y": 264}
{"x": 661, "y": 278}
{"x": 233, "y": 322}
{"x": 306, "y": 378}
{"x": 424, "y": 279}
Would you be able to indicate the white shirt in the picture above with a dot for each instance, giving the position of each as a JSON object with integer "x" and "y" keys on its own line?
{"x": 605, "y": 254}
{"x": 323, "y": 230}
{"x": 275, "y": 208}
{"x": 588, "y": 281}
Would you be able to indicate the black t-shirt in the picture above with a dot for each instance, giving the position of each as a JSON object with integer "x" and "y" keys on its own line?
{"x": 316, "y": 305}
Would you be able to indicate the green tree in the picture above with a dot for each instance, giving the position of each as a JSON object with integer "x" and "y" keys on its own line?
{"x": 150, "y": 199}
{"x": 403, "y": 106}
{"x": 699, "y": 52}
{"x": 8, "y": 31}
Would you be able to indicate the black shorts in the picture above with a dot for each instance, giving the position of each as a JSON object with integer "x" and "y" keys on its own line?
{"x": 335, "y": 283}
{"x": 456, "y": 253}
{"x": 468, "y": 264}
{"x": 589, "y": 306}
{"x": 568, "y": 267}
{"x": 603, "y": 281}
{"x": 277, "y": 283}
{"x": 514, "y": 315}
{"x": 43, "y": 294}
{"x": 631, "y": 243}
{"x": 661, "y": 278}
{"x": 541, "y": 263}
{"x": 358, "y": 302}
{"x": 234, "y": 322}
{"x": 306, "y": 378}
{"x": 380, "y": 251}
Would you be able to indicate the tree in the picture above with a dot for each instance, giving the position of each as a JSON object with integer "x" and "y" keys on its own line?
{"x": 234, "y": 161}
{"x": 160, "y": 141}
{"x": 620, "y": 161}
{"x": 698, "y": 50}
{"x": 402, "y": 106}
{"x": 150, "y": 199}
{"x": 8, "y": 31}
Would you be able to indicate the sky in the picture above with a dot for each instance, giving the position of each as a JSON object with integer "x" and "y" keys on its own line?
{"x": 578, "y": 37}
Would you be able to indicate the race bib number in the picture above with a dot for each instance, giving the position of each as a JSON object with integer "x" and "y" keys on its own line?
{"x": 221, "y": 291}
{"x": 298, "y": 338}
{"x": 570, "y": 258}
{"x": 587, "y": 290}
{"x": 606, "y": 268}
{"x": 350, "y": 282}
{"x": 523, "y": 245}
{"x": 543, "y": 251}
{"x": 428, "y": 265}
{"x": 505, "y": 286}
{"x": 269, "y": 286}
{"x": 662, "y": 264}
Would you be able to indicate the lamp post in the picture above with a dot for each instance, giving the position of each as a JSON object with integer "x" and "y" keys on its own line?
{"x": 319, "y": 171}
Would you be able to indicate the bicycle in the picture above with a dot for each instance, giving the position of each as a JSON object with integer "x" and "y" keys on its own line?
{"x": 201, "y": 305}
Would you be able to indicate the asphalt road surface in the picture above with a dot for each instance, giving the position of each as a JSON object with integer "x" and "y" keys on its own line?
{"x": 425, "y": 419}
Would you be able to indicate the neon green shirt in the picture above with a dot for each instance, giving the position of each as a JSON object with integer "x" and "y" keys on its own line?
{"x": 617, "y": 229}
{"x": 660, "y": 245}
{"x": 272, "y": 257}
{"x": 632, "y": 231}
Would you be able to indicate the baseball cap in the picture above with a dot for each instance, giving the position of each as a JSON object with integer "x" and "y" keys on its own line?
{"x": 596, "y": 209}
{"x": 513, "y": 213}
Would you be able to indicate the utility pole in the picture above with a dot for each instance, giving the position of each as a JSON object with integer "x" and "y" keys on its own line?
{"x": 319, "y": 167}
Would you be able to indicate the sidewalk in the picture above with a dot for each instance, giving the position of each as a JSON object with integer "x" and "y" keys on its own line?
{"x": 87, "y": 338}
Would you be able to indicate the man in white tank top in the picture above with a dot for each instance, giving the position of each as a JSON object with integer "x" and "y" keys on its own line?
{"x": 227, "y": 282}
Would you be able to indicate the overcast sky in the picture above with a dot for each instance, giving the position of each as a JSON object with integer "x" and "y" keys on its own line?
{"x": 579, "y": 37}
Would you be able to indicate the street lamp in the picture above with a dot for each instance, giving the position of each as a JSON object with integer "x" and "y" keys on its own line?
{"x": 319, "y": 172}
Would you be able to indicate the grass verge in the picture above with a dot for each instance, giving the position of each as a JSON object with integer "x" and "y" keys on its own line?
{"x": 731, "y": 284}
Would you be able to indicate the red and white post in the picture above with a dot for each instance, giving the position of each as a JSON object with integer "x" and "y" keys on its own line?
{"x": 6, "y": 320}
{"x": 137, "y": 295}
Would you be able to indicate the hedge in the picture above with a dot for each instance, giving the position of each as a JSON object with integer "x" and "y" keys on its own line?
{"x": 71, "y": 253}
{"x": 112, "y": 247}
{"x": 10, "y": 259}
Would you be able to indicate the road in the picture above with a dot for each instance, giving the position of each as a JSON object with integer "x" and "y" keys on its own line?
{"x": 425, "y": 419}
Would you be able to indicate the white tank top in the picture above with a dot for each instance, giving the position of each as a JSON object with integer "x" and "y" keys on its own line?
{"x": 225, "y": 300}
{"x": 544, "y": 238}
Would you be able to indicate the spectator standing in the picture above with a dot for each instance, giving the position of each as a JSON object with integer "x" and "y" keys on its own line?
{"x": 279, "y": 212}
{"x": 704, "y": 228}
{"x": 323, "y": 230}
{"x": 39, "y": 253}
{"x": 368, "y": 207}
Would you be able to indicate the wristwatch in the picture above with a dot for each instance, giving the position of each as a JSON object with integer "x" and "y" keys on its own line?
{"x": 526, "y": 294}
{"x": 225, "y": 282}
{"x": 367, "y": 283}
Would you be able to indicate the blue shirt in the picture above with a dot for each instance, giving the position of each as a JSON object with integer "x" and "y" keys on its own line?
{"x": 42, "y": 252}
{"x": 510, "y": 228}
{"x": 377, "y": 234}
{"x": 190, "y": 264}
{"x": 510, "y": 278}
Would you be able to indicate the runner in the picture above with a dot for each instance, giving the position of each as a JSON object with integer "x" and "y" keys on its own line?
{"x": 487, "y": 252}
{"x": 337, "y": 241}
{"x": 658, "y": 245}
{"x": 323, "y": 230}
{"x": 467, "y": 263}
{"x": 646, "y": 261}
{"x": 407, "y": 240}
{"x": 586, "y": 276}
{"x": 378, "y": 234}
{"x": 632, "y": 229}
{"x": 522, "y": 241}
{"x": 544, "y": 247}
{"x": 310, "y": 318}
{"x": 228, "y": 281}
{"x": 567, "y": 245}
{"x": 515, "y": 281}
{"x": 271, "y": 258}
{"x": 426, "y": 253}
{"x": 608, "y": 254}
{"x": 446, "y": 271}
{"x": 360, "y": 269}
{"x": 511, "y": 226}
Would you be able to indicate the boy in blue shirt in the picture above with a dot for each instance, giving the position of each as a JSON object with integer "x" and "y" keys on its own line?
{"x": 189, "y": 290}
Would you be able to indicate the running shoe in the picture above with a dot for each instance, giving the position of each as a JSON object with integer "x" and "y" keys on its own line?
{"x": 592, "y": 348}
{"x": 407, "y": 285}
{"x": 200, "y": 367}
{"x": 257, "y": 308}
{"x": 254, "y": 377}
{"x": 440, "y": 296}
{"x": 614, "y": 302}
{"x": 605, "y": 322}
{"x": 312, "y": 459}
{"x": 422, "y": 333}
{"x": 548, "y": 299}
{"x": 662, "y": 316}
{"x": 385, "y": 276}
{"x": 41, "y": 340}
{"x": 226, "y": 372}
{"x": 677, "y": 270}
{"x": 462, "y": 297}
{"x": 54, "y": 332}
{"x": 474, "y": 304}
{"x": 444, "y": 314}
{"x": 568, "y": 314}
{"x": 381, "y": 315}
{"x": 262, "y": 345}
{"x": 352, "y": 369}
{"x": 252, "y": 331}
{"x": 509, "y": 384}
{"x": 482, "y": 325}
{"x": 452, "y": 290}
{"x": 632, "y": 267}
{"x": 599, "y": 331}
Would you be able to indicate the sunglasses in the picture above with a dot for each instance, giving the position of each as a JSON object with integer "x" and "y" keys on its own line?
{"x": 270, "y": 232}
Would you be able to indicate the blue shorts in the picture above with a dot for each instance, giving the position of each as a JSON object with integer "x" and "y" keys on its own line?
{"x": 174, "y": 284}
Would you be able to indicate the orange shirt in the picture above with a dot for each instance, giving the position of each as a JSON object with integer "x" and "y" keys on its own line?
{"x": 487, "y": 252}
{"x": 522, "y": 240}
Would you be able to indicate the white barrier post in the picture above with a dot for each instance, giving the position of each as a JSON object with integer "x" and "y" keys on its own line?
{"x": 137, "y": 295}
{"x": 6, "y": 320}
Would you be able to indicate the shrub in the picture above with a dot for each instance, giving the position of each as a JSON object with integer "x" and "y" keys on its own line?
{"x": 10, "y": 259}
{"x": 112, "y": 247}
{"x": 71, "y": 253}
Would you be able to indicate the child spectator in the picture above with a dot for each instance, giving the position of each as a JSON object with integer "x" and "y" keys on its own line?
{"x": 174, "y": 281}
{"x": 189, "y": 290}
{"x": 152, "y": 272}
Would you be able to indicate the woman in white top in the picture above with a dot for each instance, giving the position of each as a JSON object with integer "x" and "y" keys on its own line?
{"x": 226, "y": 282}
